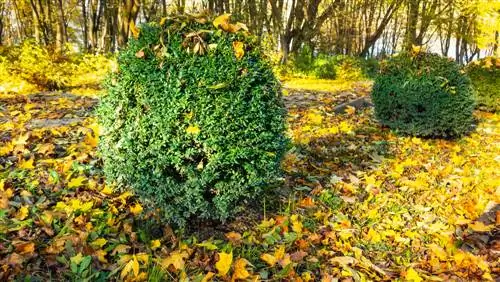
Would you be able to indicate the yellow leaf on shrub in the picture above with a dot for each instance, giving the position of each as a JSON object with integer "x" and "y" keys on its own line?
{"x": 136, "y": 209}
{"x": 222, "y": 22}
{"x": 193, "y": 130}
{"x": 135, "y": 31}
{"x": 238, "y": 49}
{"x": 224, "y": 263}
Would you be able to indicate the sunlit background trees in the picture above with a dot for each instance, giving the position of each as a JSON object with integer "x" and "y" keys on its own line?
{"x": 461, "y": 29}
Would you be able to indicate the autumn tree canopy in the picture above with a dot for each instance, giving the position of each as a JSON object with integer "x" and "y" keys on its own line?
{"x": 457, "y": 28}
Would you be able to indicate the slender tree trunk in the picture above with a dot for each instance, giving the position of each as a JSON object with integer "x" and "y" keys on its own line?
{"x": 412, "y": 22}
{"x": 61, "y": 27}
{"x": 85, "y": 29}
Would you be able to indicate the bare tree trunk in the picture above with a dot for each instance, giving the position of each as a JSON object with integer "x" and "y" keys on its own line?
{"x": 412, "y": 22}
{"x": 61, "y": 27}
{"x": 85, "y": 30}
{"x": 128, "y": 11}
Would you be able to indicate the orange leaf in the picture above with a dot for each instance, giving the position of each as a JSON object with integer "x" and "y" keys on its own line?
{"x": 240, "y": 271}
{"x": 26, "y": 248}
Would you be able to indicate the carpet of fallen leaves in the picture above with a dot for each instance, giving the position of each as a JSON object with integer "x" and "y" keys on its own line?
{"x": 360, "y": 204}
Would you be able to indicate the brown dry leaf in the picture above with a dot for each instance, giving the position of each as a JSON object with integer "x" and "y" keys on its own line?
{"x": 140, "y": 54}
{"x": 307, "y": 202}
{"x": 234, "y": 237}
{"x": 4, "y": 200}
{"x": 208, "y": 277}
{"x": 298, "y": 256}
{"x": 25, "y": 248}
{"x": 15, "y": 259}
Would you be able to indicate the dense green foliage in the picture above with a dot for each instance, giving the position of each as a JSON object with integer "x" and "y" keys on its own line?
{"x": 423, "y": 94}
{"x": 193, "y": 119}
{"x": 485, "y": 76}
{"x": 324, "y": 66}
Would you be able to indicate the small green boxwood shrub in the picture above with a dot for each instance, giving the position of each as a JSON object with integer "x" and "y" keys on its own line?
{"x": 325, "y": 69}
{"x": 324, "y": 66}
{"x": 423, "y": 94}
{"x": 193, "y": 120}
{"x": 485, "y": 76}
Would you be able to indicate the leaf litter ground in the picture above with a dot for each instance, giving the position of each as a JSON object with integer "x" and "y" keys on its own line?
{"x": 358, "y": 203}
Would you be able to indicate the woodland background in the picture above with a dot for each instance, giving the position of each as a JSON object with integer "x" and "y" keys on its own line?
{"x": 460, "y": 29}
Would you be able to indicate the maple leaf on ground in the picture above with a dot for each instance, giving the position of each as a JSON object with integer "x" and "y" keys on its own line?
{"x": 26, "y": 164}
{"x": 176, "y": 259}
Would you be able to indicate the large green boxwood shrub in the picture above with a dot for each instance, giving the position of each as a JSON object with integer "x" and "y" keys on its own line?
{"x": 423, "y": 94}
{"x": 485, "y": 76}
{"x": 193, "y": 120}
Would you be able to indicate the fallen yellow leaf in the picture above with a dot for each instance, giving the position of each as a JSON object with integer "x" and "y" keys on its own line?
{"x": 412, "y": 275}
{"x": 240, "y": 271}
{"x": 224, "y": 263}
{"x": 26, "y": 164}
{"x": 76, "y": 259}
{"x": 155, "y": 244}
{"x": 269, "y": 259}
{"x": 176, "y": 259}
{"x": 76, "y": 182}
{"x": 22, "y": 213}
{"x": 479, "y": 226}
{"x": 99, "y": 243}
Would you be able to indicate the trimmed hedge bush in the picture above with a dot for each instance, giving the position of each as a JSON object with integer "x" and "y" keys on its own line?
{"x": 194, "y": 119}
{"x": 485, "y": 76}
{"x": 423, "y": 94}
